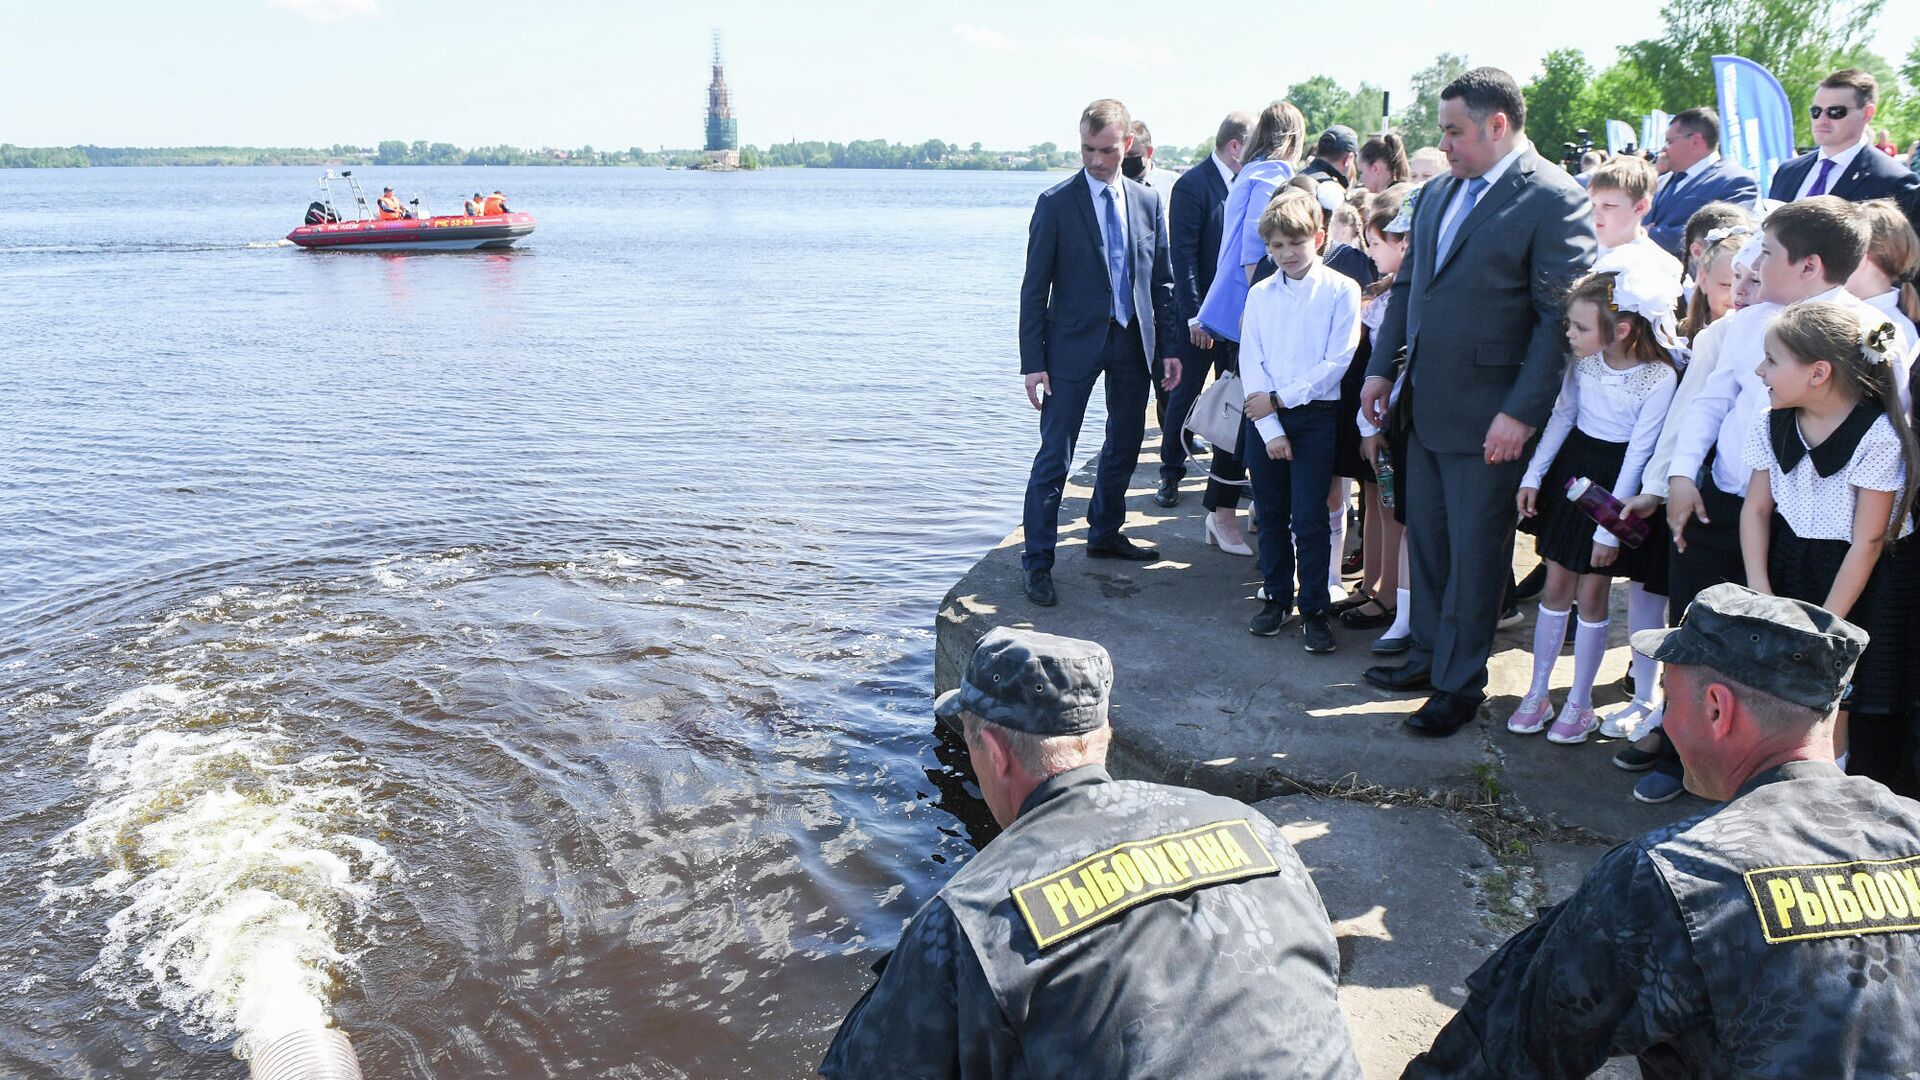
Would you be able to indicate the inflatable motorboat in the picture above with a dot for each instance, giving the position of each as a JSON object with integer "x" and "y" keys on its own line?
{"x": 326, "y": 228}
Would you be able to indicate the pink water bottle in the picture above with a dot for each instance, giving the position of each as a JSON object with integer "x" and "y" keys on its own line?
{"x": 1608, "y": 512}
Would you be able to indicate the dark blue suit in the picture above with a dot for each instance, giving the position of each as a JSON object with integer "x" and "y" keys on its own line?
{"x": 1067, "y": 330}
{"x": 1873, "y": 175}
{"x": 1199, "y": 203}
{"x": 1673, "y": 204}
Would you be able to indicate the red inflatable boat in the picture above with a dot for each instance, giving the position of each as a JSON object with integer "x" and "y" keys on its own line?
{"x": 325, "y": 228}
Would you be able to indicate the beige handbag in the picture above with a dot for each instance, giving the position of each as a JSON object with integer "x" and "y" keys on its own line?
{"x": 1216, "y": 417}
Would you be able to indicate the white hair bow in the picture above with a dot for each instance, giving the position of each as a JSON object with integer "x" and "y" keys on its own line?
{"x": 1645, "y": 291}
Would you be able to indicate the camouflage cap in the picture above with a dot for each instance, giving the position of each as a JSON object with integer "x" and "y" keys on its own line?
{"x": 1033, "y": 682}
{"x": 1791, "y": 649}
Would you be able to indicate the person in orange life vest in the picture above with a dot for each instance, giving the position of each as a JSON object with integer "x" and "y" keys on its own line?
{"x": 476, "y": 205}
{"x": 389, "y": 206}
{"x": 496, "y": 204}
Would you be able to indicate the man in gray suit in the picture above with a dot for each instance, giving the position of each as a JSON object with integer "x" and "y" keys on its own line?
{"x": 1478, "y": 313}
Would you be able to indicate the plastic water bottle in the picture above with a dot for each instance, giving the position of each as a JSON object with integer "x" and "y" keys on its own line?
{"x": 1383, "y": 472}
{"x": 1608, "y": 512}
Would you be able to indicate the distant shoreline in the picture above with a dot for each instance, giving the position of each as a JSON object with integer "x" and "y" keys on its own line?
{"x": 932, "y": 155}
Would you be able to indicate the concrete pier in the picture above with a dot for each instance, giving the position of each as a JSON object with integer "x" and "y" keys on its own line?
{"x": 1429, "y": 853}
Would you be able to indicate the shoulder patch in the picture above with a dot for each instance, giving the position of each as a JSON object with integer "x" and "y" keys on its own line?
{"x": 1104, "y": 884}
{"x": 1798, "y": 903}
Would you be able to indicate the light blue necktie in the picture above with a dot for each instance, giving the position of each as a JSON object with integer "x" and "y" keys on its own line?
{"x": 1118, "y": 270}
{"x": 1474, "y": 187}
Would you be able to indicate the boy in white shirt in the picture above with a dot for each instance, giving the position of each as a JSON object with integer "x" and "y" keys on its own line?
{"x": 1622, "y": 194}
{"x": 1297, "y": 338}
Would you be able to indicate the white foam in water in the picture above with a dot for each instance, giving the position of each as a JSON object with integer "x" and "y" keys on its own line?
{"x": 229, "y": 854}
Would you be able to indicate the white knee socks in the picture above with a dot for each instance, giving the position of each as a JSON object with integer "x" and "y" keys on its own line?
{"x": 1337, "y": 530}
{"x": 1549, "y": 633}
{"x": 1402, "y": 615}
{"x": 1589, "y": 645}
{"x": 1645, "y": 611}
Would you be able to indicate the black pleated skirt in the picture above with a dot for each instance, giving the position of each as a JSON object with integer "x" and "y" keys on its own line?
{"x": 1565, "y": 533}
{"x": 1805, "y": 569}
{"x": 1348, "y": 461}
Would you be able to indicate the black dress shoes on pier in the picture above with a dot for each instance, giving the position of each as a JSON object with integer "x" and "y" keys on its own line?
{"x": 1444, "y": 714}
{"x": 1122, "y": 548}
{"x": 1167, "y": 494}
{"x": 1040, "y": 588}
{"x": 1400, "y": 677}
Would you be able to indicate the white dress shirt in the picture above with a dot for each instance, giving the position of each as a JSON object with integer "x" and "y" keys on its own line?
{"x": 1841, "y": 162}
{"x": 1703, "y": 357}
{"x": 1297, "y": 339}
{"x": 1492, "y": 176}
{"x": 1723, "y": 413}
{"x": 1097, "y": 191}
{"x": 1642, "y": 251}
{"x": 1611, "y": 405}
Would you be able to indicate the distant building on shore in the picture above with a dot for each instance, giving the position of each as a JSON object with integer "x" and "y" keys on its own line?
{"x": 723, "y": 131}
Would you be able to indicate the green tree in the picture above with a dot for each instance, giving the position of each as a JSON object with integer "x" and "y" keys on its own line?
{"x": 1420, "y": 120}
{"x": 1364, "y": 110}
{"x": 1799, "y": 41}
{"x": 1321, "y": 101}
{"x": 749, "y": 157}
{"x": 1622, "y": 92}
{"x": 1553, "y": 99}
{"x": 391, "y": 152}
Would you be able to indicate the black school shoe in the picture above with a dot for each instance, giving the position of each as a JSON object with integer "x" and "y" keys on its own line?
{"x": 1318, "y": 634}
{"x": 1274, "y": 614}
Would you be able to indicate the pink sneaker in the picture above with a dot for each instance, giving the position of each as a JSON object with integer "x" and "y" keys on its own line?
{"x": 1573, "y": 725}
{"x": 1531, "y": 716}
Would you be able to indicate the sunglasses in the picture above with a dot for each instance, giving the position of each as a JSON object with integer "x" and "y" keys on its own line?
{"x": 1834, "y": 112}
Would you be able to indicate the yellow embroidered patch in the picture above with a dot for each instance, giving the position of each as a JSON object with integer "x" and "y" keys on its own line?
{"x": 1103, "y": 885}
{"x": 1797, "y": 903}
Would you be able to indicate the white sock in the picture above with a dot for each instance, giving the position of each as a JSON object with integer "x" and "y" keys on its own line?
{"x": 1337, "y": 530}
{"x": 1589, "y": 645}
{"x": 1549, "y": 633}
{"x": 1645, "y": 611}
{"x": 1654, "y": 722}
{"x": 1402, "y": 615}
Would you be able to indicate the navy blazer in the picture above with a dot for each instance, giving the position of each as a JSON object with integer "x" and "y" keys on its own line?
{"x": 1194, "y": 222}
{"x": 1873, "y": 175}
{"x": 1066, "y": 298}
{"x": 1723, "y": 181}
{"x": 1484, "y": 330}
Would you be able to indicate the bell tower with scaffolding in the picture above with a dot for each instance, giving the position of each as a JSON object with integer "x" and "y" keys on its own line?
{"x": 723, "y": 131}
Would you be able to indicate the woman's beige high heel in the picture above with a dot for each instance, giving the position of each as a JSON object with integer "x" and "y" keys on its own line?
{"x": 1214, "y": 539}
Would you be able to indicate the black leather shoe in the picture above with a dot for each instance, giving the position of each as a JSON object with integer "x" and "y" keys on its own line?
{"x": 1122, "y": 548}
{"x": 1040, "y": 588}
{"x": 1444, "y": 714}
{"x": 1401, "y": 677}
{"x": 1167, "y": 494}
{"x": 1318, "y": 635}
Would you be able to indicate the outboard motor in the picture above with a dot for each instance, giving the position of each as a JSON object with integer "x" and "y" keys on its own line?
{"x": 319, "y": 214}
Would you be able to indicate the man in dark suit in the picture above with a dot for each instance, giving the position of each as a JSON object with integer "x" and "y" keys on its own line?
{"x": 1699, "y": 176}
{"x": 1478, "y": 310}
{"x": 1097, "y": 299}
{"x": 1199, "y": 199}
{"x": 1846, "y": 165}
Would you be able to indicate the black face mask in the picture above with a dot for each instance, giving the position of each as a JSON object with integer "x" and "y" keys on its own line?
{"x": 1133, "y": 167}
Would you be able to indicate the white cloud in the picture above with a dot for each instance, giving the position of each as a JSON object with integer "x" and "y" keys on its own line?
{"x": 985, "y": 39}
{"x": 326, "y": 11}
{"x": 1137, "y": 55}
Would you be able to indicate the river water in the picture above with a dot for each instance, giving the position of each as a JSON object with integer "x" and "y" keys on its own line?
{"x": 523, "y": 659}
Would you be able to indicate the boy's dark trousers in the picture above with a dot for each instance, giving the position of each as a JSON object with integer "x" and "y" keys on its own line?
{"x": 1290, "y": 503}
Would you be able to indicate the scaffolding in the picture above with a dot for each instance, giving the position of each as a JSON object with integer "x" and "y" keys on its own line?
{"x": 723, "y": 131}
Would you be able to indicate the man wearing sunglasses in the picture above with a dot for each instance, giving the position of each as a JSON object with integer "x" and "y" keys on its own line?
{"x": 1844, "y": 163}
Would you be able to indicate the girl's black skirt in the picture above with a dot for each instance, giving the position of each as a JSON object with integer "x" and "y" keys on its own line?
{"x": 1805, "y": 569}
{"x": 1348, "y": 461}
{"x": 1565, "y": 533}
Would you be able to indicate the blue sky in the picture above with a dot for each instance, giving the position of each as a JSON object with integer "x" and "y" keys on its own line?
{"x": 619, "y": 73}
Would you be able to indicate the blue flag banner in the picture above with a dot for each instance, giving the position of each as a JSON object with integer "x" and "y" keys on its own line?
{"x": 1756, "y": 120}
{"x": 1653, "y": 130}
{"x": 1619, "y": 136}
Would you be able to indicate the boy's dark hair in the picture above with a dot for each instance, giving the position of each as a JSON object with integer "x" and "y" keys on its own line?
{"x": 1823, "y": 225}
{"x": 1714, "y": 215}
{"x": 1488, "y": 90}
{"x": 1701, "y": 121}
{"x": 1864, "y": 86}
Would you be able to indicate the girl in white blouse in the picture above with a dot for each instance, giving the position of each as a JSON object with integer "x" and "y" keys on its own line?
{"x": 1834, "y": 463}
{"x": 1612, "y": 404}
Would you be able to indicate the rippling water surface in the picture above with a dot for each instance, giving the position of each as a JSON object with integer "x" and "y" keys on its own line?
{"x": 523, "y": 659}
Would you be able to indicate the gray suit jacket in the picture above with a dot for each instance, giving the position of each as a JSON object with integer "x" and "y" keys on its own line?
{"x": 1484, "y": 330}
{"x": 1066, "y": 298}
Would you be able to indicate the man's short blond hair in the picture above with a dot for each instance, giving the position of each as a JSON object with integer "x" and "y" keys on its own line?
{"x": 1105, "y": 113}
{"x": 1628, "y": 174}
